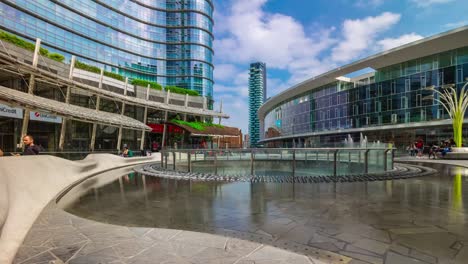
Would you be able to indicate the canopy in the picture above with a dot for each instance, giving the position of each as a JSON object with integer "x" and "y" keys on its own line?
{"x": 34, "y": 102}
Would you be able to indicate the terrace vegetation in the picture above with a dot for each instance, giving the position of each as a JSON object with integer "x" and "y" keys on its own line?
{"x": 200, "y": 126}
{"x": 13, "y": 39}
{"x": 86, "y": 67}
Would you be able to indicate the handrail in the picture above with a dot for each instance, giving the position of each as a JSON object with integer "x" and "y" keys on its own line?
{"x": 260, "y": 149}
{"x": 362, "y": 156}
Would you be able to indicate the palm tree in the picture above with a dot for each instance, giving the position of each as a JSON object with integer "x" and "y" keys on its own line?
{"x": 456, "y": 104}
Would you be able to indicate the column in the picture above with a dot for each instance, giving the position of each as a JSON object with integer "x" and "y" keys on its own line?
{"x": 220, "y": 111}
{"x": 67, "y": 101}
{"x": 145, "y": 119}
{"x": 98, "y": 103}
{"x": 205, "y": 103}
{"x": 165, "y": 121}
{"x": 186, "y": 105}
{"x": 31, "y": 86}
{"x": 122, "y": 113}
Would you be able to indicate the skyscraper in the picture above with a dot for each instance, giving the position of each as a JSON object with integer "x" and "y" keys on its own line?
{"x": 165, "y": 41}
{"x": 257, "y": 96}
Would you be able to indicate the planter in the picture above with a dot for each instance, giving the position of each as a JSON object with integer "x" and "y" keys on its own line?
{"x": 460, "y": 150}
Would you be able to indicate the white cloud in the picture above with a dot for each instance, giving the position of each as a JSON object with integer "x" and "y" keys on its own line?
{"x": 256, "y": 35}
{"x": 427, "y": 3}
{"x": 246, "y": 33}
{"x": 225, "y": 72}
{"x": 390, "y": 43}
{"x": 359, "y": 34}
{"x": 457, "y": 24}
{"x": 369, "y": 3}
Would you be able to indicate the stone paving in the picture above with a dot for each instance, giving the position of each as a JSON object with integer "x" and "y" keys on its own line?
{"x": 58, "y": 237}
{"x": 417, "y": 220}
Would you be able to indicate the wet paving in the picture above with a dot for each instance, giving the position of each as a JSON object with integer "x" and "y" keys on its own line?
{"x": 419, "y": 220}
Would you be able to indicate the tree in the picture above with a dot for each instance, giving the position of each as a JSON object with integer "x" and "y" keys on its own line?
{"x": 456, "y": 104}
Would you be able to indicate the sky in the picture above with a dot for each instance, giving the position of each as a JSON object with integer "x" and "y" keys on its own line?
{"x": 300, "y": 39}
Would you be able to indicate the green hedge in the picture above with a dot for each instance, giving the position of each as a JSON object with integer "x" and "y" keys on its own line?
{"x": 143, "y": 83}
{"x": 87, "y": 67}
{"x": 28, "y": 45}
{"x": 114, "y": 75}
{"x": 90, "y": 68}
{"x": 178, "y": 90}
{"x": 200, "y": 126}
{"x": 56, "y": 57}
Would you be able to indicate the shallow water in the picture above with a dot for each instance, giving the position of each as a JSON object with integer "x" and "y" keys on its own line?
{"x": 326, "y": 215}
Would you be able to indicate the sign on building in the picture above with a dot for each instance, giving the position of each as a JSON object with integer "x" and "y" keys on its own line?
{"x": 38, "y": 116}
{"x": 13, "y": 112}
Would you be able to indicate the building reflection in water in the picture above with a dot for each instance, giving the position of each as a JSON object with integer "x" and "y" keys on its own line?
{"x": 149, "y": 201}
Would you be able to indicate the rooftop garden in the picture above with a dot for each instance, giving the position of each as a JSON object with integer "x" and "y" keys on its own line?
{"x": 200, "y": 126}
{"x": 13, "y": 39}
{"x": 153, "y": 85}
{"x": 157, "y": 86}
{"x": 91, "y": 68}
{"x": 178, "y": 90}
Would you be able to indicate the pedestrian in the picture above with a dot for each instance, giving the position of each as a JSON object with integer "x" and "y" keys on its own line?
{"x": 154, "y": 146}
{"x": 1, "y": 153}
{"x": 29, "y": 147}
{"x": 420, "y": 147}
{"x": 127, "y": 153}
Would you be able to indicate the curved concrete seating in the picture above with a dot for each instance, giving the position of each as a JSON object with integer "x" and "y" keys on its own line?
{"x": 454, "y": 156}
{"x": 29, "y": 183}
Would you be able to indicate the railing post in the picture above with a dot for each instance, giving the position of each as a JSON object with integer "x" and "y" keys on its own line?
{"x": 215, "y": 162}
{"x": 189, "y": 161}
{"x": 251, "y": 162}
{"x": 162, "y": 159}
{"x": 174, "y": 160}
{"x": 385, "y": 159}
{"x": 294, "y": 163}
{"x": 366, "y": 161}
{"x": 335, "y": 162}
{"x": 393, "y": 157}
{"x": 165, "y": 156}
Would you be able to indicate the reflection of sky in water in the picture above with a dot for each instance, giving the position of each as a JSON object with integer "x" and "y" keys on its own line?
{"x": 138, "y": 200}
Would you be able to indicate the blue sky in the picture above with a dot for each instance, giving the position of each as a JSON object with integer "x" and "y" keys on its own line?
{"x": 299, "y": 39}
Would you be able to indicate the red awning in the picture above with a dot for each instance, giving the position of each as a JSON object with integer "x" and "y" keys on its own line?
{"x": 159, "y": 128}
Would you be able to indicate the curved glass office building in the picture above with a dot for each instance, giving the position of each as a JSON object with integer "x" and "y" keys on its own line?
{"x": 166, "y": 41}
{"x": 390, "y": 104}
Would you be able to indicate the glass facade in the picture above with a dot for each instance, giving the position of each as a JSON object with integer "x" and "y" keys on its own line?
{"x": 166, "y": 41}
{"x": 395, "y": 95}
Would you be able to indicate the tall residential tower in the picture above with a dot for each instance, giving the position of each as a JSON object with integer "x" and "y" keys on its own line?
{"x": 257, "y": 96}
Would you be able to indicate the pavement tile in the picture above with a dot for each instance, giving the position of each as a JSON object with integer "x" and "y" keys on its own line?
{"x": 393, "y": 258}
{"x": 372, "y": 246}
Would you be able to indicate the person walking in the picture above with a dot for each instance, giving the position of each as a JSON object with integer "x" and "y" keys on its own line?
{"x": 1, "y": 153}
{"x": 29, "y": 147}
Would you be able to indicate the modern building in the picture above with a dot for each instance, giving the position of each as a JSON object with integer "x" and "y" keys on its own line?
{"x": 257, "y": 96}
{"x": 165, "y": 41}
{"x": 392, "y": 103}
{"x": 100, "y": 95}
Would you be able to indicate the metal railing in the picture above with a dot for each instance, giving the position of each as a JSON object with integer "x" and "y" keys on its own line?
{"x": 334, "y": 161}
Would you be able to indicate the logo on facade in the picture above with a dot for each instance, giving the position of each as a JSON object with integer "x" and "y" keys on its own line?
{"x": 38, "y": 116}
{"x": 11, "y": 111}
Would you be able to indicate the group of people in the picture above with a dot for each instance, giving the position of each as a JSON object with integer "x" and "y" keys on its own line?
{"x": 417, "y": 148}
{"x": 29, "y": 147}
